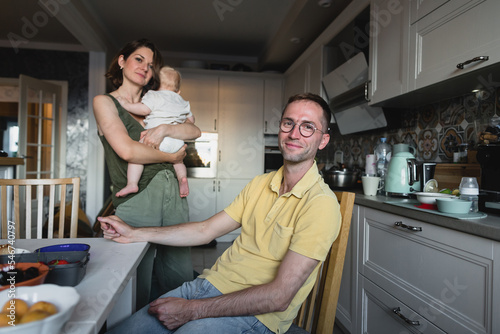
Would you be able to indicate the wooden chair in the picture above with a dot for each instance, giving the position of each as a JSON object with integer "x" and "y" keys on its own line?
{"x": 317, "y": 314}
{"x": 38, "y": 189}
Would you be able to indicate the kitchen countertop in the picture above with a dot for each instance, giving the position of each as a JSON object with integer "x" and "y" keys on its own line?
{"x": 488, "y": 227}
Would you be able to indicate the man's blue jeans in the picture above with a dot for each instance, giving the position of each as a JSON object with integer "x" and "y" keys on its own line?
{"x": 143, "y": 322}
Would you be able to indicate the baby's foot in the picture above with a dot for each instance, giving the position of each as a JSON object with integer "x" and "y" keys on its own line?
{"x": 129, "y": 189}
{"x": 183, "y": 187}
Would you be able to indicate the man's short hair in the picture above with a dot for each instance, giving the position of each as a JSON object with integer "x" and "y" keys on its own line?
{"x": 327, "y": 113}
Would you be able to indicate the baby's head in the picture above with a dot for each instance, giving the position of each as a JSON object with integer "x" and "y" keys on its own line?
{"x": 170, "y": 79}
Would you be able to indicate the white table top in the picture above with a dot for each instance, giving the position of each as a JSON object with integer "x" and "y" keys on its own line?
{"x": 110, "y": 268}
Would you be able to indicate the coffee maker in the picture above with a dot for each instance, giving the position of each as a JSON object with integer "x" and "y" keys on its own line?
{"x": 488, "y": 157}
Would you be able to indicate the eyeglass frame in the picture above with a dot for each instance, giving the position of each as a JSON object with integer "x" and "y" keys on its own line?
{"x": 300, "y": 131}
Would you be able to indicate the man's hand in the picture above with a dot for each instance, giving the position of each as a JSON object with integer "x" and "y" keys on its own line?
{"x": 172, "y": 312}
{"x": 115, "y": 229}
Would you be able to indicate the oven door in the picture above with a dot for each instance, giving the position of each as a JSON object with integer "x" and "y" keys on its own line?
{"x": 201, "y": 156}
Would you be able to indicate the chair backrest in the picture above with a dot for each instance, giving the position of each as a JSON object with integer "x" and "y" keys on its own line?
{"x": 317, "y": 314}
{"x": 39, "y": 189}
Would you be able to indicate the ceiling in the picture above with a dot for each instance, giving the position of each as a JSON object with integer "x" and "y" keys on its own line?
{"x": 258, "y": 33}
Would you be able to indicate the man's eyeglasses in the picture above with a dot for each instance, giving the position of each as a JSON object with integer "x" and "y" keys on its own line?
{"x": 306, "y": 129}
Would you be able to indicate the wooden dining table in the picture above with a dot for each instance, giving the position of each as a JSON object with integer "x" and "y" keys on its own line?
{"x": 107, "y": 291}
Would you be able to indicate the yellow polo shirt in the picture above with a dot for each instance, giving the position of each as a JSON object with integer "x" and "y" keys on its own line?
{"x": 305, "y": 220}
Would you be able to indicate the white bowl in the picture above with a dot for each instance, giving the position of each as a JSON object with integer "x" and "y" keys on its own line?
{"x": 63, "y": 297}
{"x": 430, "y": 198}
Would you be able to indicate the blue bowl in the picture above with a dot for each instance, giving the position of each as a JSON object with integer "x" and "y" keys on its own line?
{"x": 64, "y": 248}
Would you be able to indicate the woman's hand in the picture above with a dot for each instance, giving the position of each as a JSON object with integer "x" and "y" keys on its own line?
{"x": 153, "y": 137}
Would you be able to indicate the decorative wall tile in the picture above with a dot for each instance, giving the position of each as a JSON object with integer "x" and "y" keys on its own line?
{"x": 434, "y": 130}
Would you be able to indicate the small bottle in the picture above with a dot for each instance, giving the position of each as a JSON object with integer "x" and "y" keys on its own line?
{"x": 381, "y": 152}
{"x": 469, "y": 191}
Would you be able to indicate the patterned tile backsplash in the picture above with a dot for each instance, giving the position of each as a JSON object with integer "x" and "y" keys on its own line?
{"x": 435, "y": 130}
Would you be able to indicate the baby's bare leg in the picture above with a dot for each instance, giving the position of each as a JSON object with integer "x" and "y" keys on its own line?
{"x": 134, "y": 172}
{"x": 180, "y": 170}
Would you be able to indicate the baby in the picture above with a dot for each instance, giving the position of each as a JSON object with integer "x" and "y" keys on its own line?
{"x": 164, "y": 106}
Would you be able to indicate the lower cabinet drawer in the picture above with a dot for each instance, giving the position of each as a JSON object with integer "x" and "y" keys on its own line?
{"x": 382, "y": 313}
{"x": 446, "y": 275}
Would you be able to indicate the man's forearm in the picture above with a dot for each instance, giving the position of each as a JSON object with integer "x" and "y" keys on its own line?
{"x": 252, "y": 301}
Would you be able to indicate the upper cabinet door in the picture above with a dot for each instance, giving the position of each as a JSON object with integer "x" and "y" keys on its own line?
{"x": 202, "y": 92}
{"x": 388, "y": 50}
{"x": 457, "y": 32}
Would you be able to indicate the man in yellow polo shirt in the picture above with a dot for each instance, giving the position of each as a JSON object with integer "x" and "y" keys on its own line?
{"x": 288, "y": 219}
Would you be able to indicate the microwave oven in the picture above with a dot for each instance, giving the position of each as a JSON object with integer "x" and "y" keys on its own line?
{"x": 201, "y": 156}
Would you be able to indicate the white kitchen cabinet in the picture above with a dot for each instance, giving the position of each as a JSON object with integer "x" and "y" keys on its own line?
{"x": 379, "y": 313}
{"x": 307, "y": 76}
{"x": 273, "y": 104}
{"x": 241, "y": 137}
{"x": 202, "y": 92}
{"x": 449, "y": 34}
{"x": 346, "y": 305}
{"x": 389, "y": 43}
{"x": 209, "y": 196}
{"x": 440, "y": 277}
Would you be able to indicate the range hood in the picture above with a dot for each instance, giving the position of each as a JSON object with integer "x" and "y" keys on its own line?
{"x": 346, "y": 87}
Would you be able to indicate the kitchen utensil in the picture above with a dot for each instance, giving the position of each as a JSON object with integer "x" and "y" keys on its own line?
{"x": 430, "y": 198}
{"x": 342, "y": 178}
{"x": 453, "y": 205}
{"x": 402, "y": 176}
{"x": 371, "y": 184}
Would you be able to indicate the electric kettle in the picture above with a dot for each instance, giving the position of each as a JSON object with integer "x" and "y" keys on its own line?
{"x": 402, "y": 175}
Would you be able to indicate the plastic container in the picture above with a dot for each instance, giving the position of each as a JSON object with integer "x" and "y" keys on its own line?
{"x": 469, "y": 191}
{"x": 381, "y": 155}
{"x": 64, "y": 274}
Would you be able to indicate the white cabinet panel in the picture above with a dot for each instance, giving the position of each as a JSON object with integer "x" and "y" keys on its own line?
{"x": 273, "y": 105}
{"x": 346, "y": 305}
{"x": 209, "y": 196}
{"x": 377, "y": 309}
{"x": 453, "y": 33}
{"x": 241, "y": 139}
{"x": 447, "y": 275}
{"x": 202, "y": 198}
{"x": 202, "y": 92}
{"x": 389, "y": 40}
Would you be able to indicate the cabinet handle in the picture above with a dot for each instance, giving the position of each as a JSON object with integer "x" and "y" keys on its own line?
{"x": 215, "y": 124}
{"x": 214, "y": 185}
{"x": 411, "y": 228}
{"x": 218, "y": 185}
{"x": 397, "y": 311}
{"x": 265, "y": 126}
{"x": 219, "y": 155}
{"x": 367, "y": 97}
{"x": 461, "y": 65}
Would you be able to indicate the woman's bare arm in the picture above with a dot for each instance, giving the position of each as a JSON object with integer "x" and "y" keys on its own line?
{"x": 110, "y": 125}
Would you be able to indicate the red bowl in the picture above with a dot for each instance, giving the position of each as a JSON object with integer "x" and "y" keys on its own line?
{"x": 43, "y": 270}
